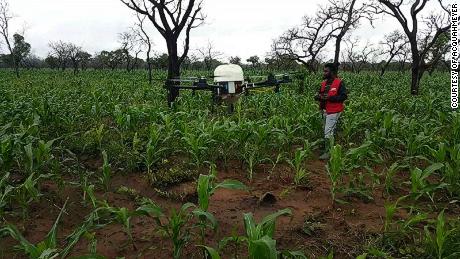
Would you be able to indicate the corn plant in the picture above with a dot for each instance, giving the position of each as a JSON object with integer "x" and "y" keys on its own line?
{"x": 176, "y": 227}
{"x": 436, "y": 242}
{"x": 123, "y": 216}
{"x": 46, "y": 249}
{"x": 154, "y": 150}
{"x": 252, "y": 156}
{"x": 26, "y": 193}
{"x": 88, "y": 192}
{"x": 421, "y": 186}
{"x": 259, "y": 237}
{"x": 390, "y": 210}
{"x": 335, "y": 169}
{"x": 106, "y": 172}
{"x": 5, "y": 193}
{"x": 300, "y": 174}
{"x": 235, "y": 239}
{"x": 98, "y": 135}
{"x": 6, "y": 152}
{"x": 198, "y": 144}
{"x": 205, "y": 188}
{"x": 389, "y": 175}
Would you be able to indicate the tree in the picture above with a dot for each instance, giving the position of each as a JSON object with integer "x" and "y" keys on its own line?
{"x": 33, "y": 61}
{"x": 127, "y": 41}
{"x": 144, "y": 37}
{"x": 171, "y": 18}
{"x": 278, "y": 62}
{"x": 74, "y": 54}
{"x": 112, "y": 59}
{"x": 85, "y": 59}
{"x": 355, "y": 57}
{"x": 421, "y": 41}
{"x": 254, "y": 60}
{"x": 52, "y": 61}
{"x": 304, "y": 43}
{"x": 209, "y": 55}
{"x": 19, "y": 49}
{"x": 345, "y": 16}
{"x": 235, "y": 60}
{"x": 393, "y": 45}
{"x": 61, "y": 51}
{"x": 161, "y": 61}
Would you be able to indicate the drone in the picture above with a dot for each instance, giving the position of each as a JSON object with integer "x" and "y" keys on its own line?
{"x": 229, "y": 83}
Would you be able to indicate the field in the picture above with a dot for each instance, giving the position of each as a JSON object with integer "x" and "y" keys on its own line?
{"x": 97, "y": 165}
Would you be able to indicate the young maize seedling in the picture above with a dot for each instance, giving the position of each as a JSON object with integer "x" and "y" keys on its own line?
{"x": 5, "y": 193}
{"x": 420, "y": 185}
{"x": 26, "y": 193}
{"x": 123, "y": 216}
{"x": 154, "y": 151}
{"x": 335, "y": 169}
{"x": 205, "y": 189}
{"x": 176, "y": 224}
{"x": 259, "y": 237}
{"x": 48, "y": 248}
{"x": 438, "y": 242}
{"x": 300, "y": 173}
{"x": 106, "y": 172}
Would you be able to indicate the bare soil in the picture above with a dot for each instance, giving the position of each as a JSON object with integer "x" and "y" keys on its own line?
{"x": 345, "y": 229}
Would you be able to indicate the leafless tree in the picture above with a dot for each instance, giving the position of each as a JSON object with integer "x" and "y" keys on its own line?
{"x": 145, "y": 41}
{"x": 18, "y": 49}
{"x": 127, "y": 42}
{"x": 60, "y": 50}
{"x": 74, "y": 55}
{"x": 304, "y": 43}
{"x": 420, "y": 41}
{"x": 393, "y": 45}
{"x": 357, "y": 57}
{"x": 5, "y": 18}
{"x": 209, "y": 55}
{"x": 346, "y": 16}
{"x": 171, "y": 18}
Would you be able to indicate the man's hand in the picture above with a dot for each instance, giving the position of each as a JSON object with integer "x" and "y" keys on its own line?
{"x": 321, "y": 97}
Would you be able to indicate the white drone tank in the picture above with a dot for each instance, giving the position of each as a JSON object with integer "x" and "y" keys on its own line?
{"x": 230, "y": 76}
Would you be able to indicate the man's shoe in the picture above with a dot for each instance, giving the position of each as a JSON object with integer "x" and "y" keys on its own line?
{"x": 327, "y": 145}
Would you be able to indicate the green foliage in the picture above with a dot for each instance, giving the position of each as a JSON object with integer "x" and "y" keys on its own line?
{"x": 46, "y": 249}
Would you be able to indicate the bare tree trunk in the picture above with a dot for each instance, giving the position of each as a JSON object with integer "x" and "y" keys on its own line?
{"x": 415, "y": 70}
{"x": 149, "y": 65}
{"x": 173, "y": 69}
{"x": 338, "y": 41}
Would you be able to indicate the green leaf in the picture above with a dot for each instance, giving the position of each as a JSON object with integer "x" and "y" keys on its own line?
{"x": 263, "y": 248}
{"x": 250, "y": 226}
{"x": 232, "y": 184}
{"x": 211, "y": 252}
{"x": 26, "y": 246}
{"x": 151, "y": 209}
{"x": 267, "y": 225}
{"x": 51, "y": 237}
{"x": 201, "y": 213}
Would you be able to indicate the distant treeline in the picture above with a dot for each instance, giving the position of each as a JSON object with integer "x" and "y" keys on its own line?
{"x": 113, "y": 60}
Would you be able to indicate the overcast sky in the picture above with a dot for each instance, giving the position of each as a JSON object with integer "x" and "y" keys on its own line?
{"x": 235, "y": 27}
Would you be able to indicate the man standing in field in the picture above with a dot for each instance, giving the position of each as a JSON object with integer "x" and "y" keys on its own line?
{"x": 331, "y": 96}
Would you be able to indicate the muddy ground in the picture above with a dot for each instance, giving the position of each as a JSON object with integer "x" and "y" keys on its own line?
{"x": 345, "y": 229}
